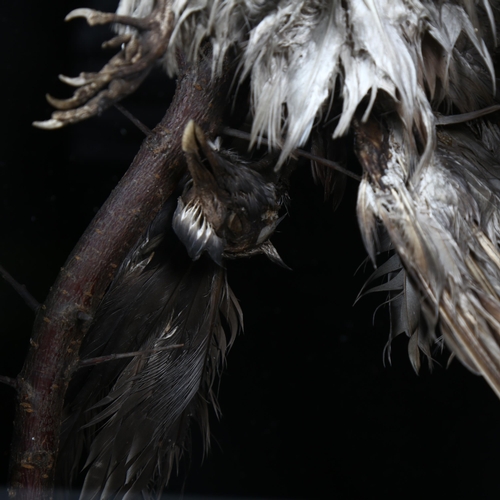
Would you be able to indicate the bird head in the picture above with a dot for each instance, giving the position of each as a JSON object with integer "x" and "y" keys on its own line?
{"x": 229, "y": 207}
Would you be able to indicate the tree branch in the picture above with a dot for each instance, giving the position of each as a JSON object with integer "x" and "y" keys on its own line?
{"x": 63, "y": 320}
{"x": 31, "y": 302}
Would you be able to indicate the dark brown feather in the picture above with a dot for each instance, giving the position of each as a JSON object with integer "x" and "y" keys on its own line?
{"x": 139, "y": 430}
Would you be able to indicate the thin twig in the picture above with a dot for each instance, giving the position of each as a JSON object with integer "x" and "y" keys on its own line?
{"x": 465, "y": 117}
{"x": 327, "y": 163}
{"x": 12, "y": 382}
{"x": 112, "y": 357}
{"x": 239, "y": 134}
{"x": 143, "y": 128}
{"x": 32, "y": 303}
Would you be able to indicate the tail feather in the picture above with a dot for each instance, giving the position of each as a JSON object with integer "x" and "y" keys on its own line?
{"x": 140, "y": 428}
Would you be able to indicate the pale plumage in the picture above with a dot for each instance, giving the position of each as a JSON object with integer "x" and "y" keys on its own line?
{"x": 413, "y": 58}
{"x": 392, "y": 74}
{"x": 297, "y": 52}
{"x": 444, "y": 225}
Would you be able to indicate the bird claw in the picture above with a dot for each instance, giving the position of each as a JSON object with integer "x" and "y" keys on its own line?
{"x": 51, "y": 124}
{"x": 124, "y": 72}
{"x": 97, "y": 18}
{"x": 117, "y": 41}
{"x": 89, "y": 14}
{"x": 94, "y": 106}
{"x": 77, "y": 81}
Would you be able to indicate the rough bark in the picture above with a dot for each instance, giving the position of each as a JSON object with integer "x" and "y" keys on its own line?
{"x": 67, "y": 313}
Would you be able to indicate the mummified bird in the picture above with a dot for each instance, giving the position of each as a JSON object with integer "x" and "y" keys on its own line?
{"x": 412, "y": 82}
{"x": 171, "y": 299}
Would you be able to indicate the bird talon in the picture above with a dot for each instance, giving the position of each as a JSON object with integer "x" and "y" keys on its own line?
{"x": 123, "y": 73}
{"x": 77, "y": 81}
{"x": 61, "y": 104}
{"x": 96, "y": 18}
{"x": 51, "y": 124}
{"x": 117, "y": 41}
{"x": 93, "y": 17}
{"x": 76, "y": 13}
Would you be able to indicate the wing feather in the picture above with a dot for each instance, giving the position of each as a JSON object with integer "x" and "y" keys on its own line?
{"x": 141, "y": 409}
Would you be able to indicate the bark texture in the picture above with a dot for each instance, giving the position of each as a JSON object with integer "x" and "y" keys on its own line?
{"x": 67, "y": 313}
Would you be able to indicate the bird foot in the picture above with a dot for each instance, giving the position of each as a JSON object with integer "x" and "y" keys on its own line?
{"x": 125, "y": 71}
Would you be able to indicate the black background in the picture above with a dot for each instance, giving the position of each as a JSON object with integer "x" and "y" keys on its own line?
{"x": 309, "y": 409}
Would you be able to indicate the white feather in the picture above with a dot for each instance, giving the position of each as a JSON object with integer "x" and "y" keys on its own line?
{"x": 295, "y": 52}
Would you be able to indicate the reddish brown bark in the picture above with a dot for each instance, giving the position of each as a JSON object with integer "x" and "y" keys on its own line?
{"x": 66, "y": 314}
